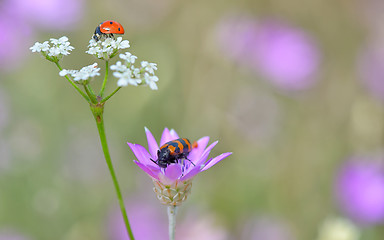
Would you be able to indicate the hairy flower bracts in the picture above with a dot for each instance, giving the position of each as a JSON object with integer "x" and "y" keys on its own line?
{"x": 173, "y": 183}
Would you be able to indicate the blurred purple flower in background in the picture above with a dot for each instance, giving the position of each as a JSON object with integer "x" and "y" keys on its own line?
{"x": 47, "y": 14}
{"x": 287, "y": 56}
{"x": 371, "y": 12}
{"x": 147, "y": 222}
{"x": 8, "y": 234}
{"x": 360, "y": 190}
{"x": 150, "y": 222}
{"x": 15, "y": 40}
{"x": 201, "y": 226}
{"x": 267, "y": 228}
{"x": 237, "y": 36}
{"x": 23, "y": 17}
{"x": 371, "y": 69}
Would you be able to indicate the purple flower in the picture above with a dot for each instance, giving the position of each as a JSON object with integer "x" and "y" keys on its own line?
{"x": 144, "y": 214}
{"x": 8, "y": 234}
{"x": 201, "y": 226}
{"x": 141, "y": 215}
{"x": 14, "y": 43}
{"x": 360, "y": 190}
{"x": 173, "y": 183}
{"x": 286, "y": 56}
{"x": 49, "y": 14}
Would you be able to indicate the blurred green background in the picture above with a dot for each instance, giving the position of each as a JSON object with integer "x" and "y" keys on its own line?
{"x": 287, "y": 144}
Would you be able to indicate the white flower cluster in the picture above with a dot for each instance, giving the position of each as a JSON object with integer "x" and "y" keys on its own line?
{"x": 107, "y": 48}
{"x": 128, "y": 74}
{"x": 54, "y": 49}
{"x": 81, "y": 76}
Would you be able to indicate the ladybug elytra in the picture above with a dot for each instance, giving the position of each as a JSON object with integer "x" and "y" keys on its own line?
{"x": 107, "y": 29}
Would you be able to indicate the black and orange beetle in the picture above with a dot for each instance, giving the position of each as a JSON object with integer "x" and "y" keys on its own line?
{"x": 173, "y": 151}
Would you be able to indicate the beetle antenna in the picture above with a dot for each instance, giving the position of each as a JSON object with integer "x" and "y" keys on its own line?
{"x": 154, "y": 161}
{"x": 190, "y": 161}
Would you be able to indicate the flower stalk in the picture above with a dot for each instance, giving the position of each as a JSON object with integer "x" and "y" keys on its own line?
{"x": 172, "y": 211}
{"x": 73, "y": 84}
{"x": 55, "y": 49}
{"x": 105, "y": 79}
{"x": 98, "y": 111}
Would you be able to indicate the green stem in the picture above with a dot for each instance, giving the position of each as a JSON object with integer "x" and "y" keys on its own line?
{"x": 105, "y": 79}
{"x": 74, "y": 85}
{"x": 97, "y": 111}
{"x": 172, "y": 210}
{"x": 110, "y": 95}
{"x": 90, "y": 93}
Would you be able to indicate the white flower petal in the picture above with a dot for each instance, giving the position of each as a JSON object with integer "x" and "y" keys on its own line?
{"x": 122, "y": 82}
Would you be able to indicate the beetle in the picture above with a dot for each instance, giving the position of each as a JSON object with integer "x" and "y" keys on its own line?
{"x": 107, "y": 29}
{"x": 173, "y": 151}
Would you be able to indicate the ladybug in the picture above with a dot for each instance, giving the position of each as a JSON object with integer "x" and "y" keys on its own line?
{"x": 107, "y": 29}
{"x": 174, "y": 150}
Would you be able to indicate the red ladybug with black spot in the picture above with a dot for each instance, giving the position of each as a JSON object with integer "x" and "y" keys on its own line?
{"x": 106, "y": 29}
{"x": 173, "y": 151}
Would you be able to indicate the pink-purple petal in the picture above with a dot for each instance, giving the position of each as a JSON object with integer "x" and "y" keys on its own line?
{"x": 173, "y": 134}
{"x": 204, "y": 157}
{"x": 165, "y": 137}
{"x": 135, "y": 149}
{"x": 215, "y": 160}
{"x": 154, "y": 168}
{"x": 197, "y": 152}
{"x": 192, "y": 173}
{"x": 173, "y": 172}
{"x": 209, "y": 148}
{"x": 141, "y": 153}
{"x": 152, "y": 144}
{"x": 147, "y": 170}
